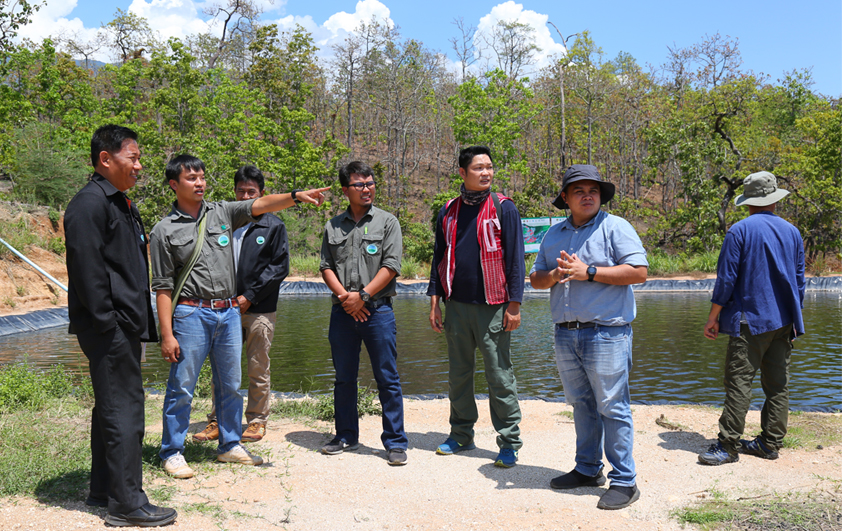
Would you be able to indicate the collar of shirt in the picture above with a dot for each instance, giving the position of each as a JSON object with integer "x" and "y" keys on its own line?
{"x": 175, "y": 212}
{"x": 348, "y": 215}
{"x": 106, "y": 185}
{"x": 567, "y": 224}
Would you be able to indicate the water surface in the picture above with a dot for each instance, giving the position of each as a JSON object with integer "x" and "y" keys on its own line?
{"x": 672, "y": 359}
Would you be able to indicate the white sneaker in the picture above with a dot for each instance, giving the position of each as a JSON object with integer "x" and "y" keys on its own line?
{"x": 240, "y": 455}
{"x": 177, "y": 467}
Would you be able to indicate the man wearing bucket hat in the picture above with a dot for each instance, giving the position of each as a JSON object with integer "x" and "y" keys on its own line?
{"x": 590, "y": 262}
{"x": 757, "y": 300}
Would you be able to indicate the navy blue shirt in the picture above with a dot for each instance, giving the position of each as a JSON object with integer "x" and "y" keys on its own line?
{"x": 760, "y": 274}
{"x": 468, "y": 285}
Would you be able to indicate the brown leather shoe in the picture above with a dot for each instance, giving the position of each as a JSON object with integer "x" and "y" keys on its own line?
{"x": 210, "y": 433}
{"x": 254, "y": 432}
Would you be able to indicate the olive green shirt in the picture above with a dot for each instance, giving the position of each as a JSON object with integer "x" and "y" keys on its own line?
{"x": 173, "y": 239}
{"x": 357, "y": 251}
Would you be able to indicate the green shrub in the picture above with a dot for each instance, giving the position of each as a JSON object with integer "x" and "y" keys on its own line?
{"x": 304, "y": 266}
{"x": 22, "y": 387}
{"x": 411, "y": 268}
{"x": 418, "y": 242}
{"x": 46, "y": 167}
{"x": 56, "y": 245}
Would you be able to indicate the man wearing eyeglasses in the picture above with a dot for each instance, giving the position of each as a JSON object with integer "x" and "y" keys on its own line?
{"x": 361, "y": 257}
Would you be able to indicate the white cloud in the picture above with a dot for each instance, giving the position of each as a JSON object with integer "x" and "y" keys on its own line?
{"x": 51, "y": 21}
{"x": 171, "y": 18}
{"x": 340, "y": 24}
{"x": 542, "y": 36}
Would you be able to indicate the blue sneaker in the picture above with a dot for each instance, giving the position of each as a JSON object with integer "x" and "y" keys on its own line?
{"x": 758, "y": 448}
{"x": 718, "y": 455}
{"x": 506, "y": 458}
{"x": 450, "y": 447}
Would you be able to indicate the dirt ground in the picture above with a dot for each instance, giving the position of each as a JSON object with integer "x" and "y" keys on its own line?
{"x": 300, "y": 489}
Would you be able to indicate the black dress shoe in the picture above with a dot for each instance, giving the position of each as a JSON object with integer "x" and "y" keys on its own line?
{"x": 575, "y": 479}
{"x": 96, "y": 501}
{"x": 146, "y": 516}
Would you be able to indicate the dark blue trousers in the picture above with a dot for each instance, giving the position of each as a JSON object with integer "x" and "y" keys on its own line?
{"x": 379, "y": 333}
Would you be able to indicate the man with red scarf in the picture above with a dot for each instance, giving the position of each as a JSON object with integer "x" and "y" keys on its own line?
{"x": 478, "y": 270}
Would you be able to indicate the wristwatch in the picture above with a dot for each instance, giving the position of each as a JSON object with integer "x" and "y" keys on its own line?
{"x": 591, "y": 273}
{"x": 364, "y": 296}
{"x": 294, "y": 192}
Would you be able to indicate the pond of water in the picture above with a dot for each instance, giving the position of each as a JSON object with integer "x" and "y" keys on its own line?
{"x": 672, "y": 360}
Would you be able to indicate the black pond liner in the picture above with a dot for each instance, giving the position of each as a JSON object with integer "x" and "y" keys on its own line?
{"x": 53, "y": 317}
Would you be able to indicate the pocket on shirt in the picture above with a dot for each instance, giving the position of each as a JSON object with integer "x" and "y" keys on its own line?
{"x": 218, "y": 237}
{"x": 181, "y": 245}
{"x": 337, "y": 246}
{"x": 372, "y": 244}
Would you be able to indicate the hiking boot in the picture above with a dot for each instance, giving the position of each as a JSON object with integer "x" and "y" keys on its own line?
{"x": 146, "y": 516}
{"x": 718, "y": 455}
{"x": 758, "y": 447}
{"x": 575, "y": 479}
{"x": 450, "y": 447}
{"x": 177, "y": 467}
{"x": 210, "y": 433}
{"x": 507, "y": 458}
{"x": 254, "y": 432}
{"x": 337, "y": 446}
{"x": 240, "y": 455}
{"x": 396, "y": 456}
{"x": 618, "y": 497}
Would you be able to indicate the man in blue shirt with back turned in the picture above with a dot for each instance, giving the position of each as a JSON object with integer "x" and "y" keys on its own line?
{"x": 757, "y": 300}
{"x": 590, "y": 262}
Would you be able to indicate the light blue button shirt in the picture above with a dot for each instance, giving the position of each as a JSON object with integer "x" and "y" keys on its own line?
{"x": 604, "y": 241}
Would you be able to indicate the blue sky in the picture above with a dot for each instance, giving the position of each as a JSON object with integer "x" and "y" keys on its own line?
{"x": 774, "y": 36}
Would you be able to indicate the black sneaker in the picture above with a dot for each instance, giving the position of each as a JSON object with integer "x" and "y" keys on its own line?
{"x": 337, "y": 446}
{"x": 618, "y": 497}
{"x": 574, "y": 479}
{"x": 396, "y": 456}
{"x": 717, "y": 455}
{"x": 758, "y": 447}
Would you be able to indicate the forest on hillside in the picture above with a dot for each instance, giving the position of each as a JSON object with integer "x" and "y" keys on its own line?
{"x": 677, "y": 139}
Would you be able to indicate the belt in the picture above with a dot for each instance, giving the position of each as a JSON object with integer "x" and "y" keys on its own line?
{"x": 216, "y": 304}
{"x": 379, "y": 302}
{"x": 574, "y": 325}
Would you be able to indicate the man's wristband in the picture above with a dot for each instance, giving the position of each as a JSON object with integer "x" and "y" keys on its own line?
{"x": 294, "y": 193}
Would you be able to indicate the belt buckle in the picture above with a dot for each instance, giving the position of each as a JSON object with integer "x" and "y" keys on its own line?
{"x": 213, "y": 303}
{"x": 577, "y": 327}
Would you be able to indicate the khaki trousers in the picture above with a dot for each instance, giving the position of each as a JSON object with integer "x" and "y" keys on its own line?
{"x": 258, "y": 331}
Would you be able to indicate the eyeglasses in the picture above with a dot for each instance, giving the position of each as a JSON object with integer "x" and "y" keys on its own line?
{"x": 362, "y": 186}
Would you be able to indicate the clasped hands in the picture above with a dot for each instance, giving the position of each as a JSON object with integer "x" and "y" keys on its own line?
{"x": 569, "y": 268}
{"x": 354, "y": 306}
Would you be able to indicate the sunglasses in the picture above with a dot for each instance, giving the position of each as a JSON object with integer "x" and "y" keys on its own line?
{"x": 362, "y": 186}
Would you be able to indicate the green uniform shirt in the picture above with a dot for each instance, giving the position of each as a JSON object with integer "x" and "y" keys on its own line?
{"x": 173, "y": 239}
{"x": 357, "y": 251}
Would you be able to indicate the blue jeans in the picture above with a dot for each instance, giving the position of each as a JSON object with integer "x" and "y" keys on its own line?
{"x": 380, "y": 335}
{"x": 594, "y": 365}
{"x": 203, "y": 332}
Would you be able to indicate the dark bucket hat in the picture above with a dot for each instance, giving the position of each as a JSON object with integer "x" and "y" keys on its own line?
{"x": 582, "y": 172}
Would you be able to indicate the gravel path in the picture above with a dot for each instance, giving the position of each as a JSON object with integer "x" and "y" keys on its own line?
{"x": 300, "y": 489}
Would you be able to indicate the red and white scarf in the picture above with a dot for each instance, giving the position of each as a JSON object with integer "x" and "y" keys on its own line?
{"x": 490, "y": 250}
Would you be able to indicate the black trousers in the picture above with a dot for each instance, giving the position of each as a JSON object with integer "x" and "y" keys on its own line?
{"x": 117, "y": 422}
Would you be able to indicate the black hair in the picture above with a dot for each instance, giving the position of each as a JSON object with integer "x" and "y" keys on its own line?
{"x": 360, "y": 168}
{"x": 110, "y": 138}
{"x": 249, "y": 173}
{"x": 181, "y": 163}
{"x": 466, "y": 156}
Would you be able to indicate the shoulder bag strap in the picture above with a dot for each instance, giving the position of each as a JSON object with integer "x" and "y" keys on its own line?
{"x": 185, "y": 272}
